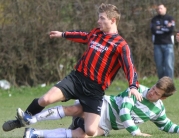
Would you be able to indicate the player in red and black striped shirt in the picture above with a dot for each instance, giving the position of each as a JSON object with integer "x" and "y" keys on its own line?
{"x": 105, "y": 55}
{"x": 107, "y": 52}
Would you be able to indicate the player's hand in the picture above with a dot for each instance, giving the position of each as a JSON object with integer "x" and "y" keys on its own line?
{"x": 55, "y": 34}
{"x": 135, "y": 92}
{"x": 143, "y": 134}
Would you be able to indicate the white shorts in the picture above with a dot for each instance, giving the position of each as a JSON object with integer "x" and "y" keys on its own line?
{"x": 104, "y": 122}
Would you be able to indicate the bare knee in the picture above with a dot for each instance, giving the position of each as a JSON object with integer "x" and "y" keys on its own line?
{"x": 43, "y": 101}
{"x": 90, "y": 131}
{"x": 91, "y": 123}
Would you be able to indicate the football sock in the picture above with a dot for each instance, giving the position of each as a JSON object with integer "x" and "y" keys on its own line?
{"x": 51, "y": 114}
{"x": 48, "y": 114}
{"x": 54, "y": 133}
{"x": 34, "y": 107}
{"x": 79, "y": 122}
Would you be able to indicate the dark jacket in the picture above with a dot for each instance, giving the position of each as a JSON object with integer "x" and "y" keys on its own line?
{"x": 164, "y": 35}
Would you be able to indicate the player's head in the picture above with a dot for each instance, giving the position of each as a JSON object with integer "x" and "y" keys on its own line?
{"x": 167, "y": 85}
{"x": 161, "y": 9}
{"x": 161, "y": 90}
{"x": 108, "y": 15}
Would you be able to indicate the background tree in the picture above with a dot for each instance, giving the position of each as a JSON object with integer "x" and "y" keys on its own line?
{"x": 29, "y": 57}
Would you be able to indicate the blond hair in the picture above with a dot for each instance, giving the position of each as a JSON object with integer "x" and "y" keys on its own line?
{"x": 167, "y": 85}
{"x": 110, "y": 10}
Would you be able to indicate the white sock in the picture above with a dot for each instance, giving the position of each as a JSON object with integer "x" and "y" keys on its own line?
{"x": 48, "y": 114}
{"x": 54, "y": 133}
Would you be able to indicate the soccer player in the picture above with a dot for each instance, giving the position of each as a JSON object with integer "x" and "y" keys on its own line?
{"x": 106, "y": 53}
{"x": 118, "y": 112}
{"x": 162, "y": 28}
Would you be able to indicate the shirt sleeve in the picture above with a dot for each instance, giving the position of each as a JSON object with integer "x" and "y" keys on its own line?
{"x": 128, "y": 67}
{"x": 125, "y": 117}
{"x": 76, "y": 36}
{"x": 165, "y": 124}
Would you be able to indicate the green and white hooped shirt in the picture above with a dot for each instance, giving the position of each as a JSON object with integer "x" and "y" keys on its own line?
{"x": 125, "y": 112}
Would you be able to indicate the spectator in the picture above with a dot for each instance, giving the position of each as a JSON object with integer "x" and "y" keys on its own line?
{"x": 162, "y": 27}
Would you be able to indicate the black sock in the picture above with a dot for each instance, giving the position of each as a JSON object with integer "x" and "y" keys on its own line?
{"x": 34, "y": 107}
{"x": 79, "y": 122}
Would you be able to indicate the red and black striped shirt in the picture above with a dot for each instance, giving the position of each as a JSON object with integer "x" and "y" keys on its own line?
{"x": 105, "y": 55}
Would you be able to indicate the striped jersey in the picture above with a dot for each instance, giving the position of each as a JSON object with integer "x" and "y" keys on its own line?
{"x": 105, "y": 55}
{"x": 125, "y": 112}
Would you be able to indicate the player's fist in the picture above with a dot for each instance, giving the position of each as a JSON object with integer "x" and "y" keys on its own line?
{"x": 55, "y": 34}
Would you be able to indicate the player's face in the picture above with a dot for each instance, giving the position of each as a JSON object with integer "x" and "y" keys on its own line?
{"x": 154, "y": 94}
{"x": 104, "y": 22}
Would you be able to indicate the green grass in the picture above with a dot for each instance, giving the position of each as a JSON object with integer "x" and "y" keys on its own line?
{"x": 22, "y": 97}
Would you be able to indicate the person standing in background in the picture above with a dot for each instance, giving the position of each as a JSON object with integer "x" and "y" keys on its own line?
{"x": 162, "y": 28}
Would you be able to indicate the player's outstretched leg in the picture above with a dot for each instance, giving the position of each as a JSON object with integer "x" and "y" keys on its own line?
{"x": 53, "y": 113}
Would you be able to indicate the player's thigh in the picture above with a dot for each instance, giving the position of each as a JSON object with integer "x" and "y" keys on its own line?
{"x": 62, "y": 91}
{"x": 91, "y": 122}
{"x": 52, "y": 96}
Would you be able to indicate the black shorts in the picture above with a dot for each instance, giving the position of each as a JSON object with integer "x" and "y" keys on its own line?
{"x": 89, "y": 93}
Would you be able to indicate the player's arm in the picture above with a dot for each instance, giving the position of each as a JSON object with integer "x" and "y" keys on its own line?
{"x": 126, "y": 119}
{"x": 130, "y": 72}
{"x": 165, "y": 124}
{"x": 76, "y": 36}
{"x": 124, "y": 114}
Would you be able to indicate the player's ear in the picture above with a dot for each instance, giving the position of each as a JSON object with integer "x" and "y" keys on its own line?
{"x": 113, "y": 20}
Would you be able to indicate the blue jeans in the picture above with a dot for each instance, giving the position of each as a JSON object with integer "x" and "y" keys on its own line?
{"x": 164, "y": 60}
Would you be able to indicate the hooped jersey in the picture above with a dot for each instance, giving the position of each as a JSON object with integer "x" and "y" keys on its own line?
{"x": 125, "y": 112}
